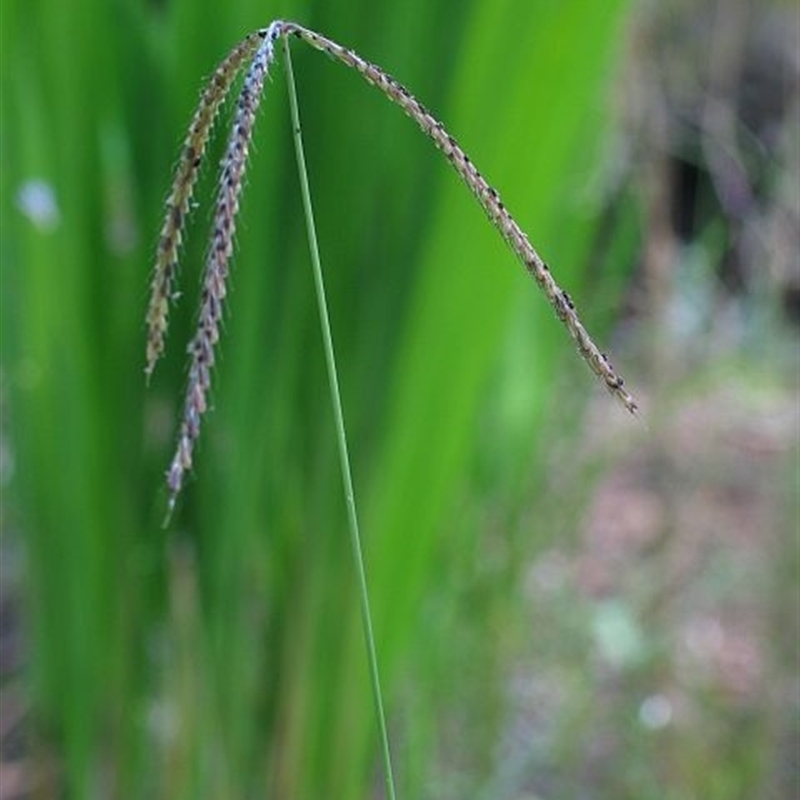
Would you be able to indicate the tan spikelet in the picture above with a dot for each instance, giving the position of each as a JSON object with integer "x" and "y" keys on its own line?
{"x": 177, "y": 206}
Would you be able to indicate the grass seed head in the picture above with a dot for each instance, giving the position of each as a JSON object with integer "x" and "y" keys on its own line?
{"x": 260, "y": 48}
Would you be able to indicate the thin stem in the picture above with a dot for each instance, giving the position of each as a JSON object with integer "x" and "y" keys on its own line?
{"x": 352, "y": 517}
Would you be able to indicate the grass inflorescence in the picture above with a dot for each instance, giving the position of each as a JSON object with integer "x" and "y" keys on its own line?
{"x": 260, "y": 47}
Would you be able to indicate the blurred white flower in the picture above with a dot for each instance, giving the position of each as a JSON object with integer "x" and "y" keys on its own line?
{"x": 655, "y": 712}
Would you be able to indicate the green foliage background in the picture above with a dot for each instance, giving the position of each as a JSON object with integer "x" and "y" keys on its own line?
{"x": 223, "y": 657}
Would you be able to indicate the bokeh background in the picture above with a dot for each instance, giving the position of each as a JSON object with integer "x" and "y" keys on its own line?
{"x": 568, "y": 603}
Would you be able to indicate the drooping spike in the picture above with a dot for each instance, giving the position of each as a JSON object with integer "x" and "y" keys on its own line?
{"x": 178, "y": 203}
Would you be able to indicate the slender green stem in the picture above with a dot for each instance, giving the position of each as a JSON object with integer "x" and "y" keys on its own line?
{"x": 352, "y": 517}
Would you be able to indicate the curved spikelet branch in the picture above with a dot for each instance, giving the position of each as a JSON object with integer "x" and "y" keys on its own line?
{"x": 206, "y": 337}
{"x": 489, "y": 199}
{"x": 180, "y": 196}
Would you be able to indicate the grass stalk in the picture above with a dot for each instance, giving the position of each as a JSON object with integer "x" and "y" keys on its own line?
{"x": 260, "y": 49}
{"x": 341, "y": 436}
